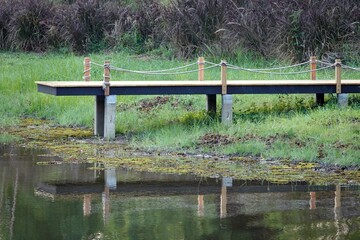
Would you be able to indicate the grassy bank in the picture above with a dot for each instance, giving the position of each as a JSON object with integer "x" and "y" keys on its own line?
{"x": 266, "y": 126}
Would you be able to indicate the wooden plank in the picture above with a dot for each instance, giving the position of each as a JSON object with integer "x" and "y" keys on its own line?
{"x": 190, "y": 83}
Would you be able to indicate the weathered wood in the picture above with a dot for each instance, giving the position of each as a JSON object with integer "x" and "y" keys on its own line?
{"x": 191, "y": 83}
{"x": 106, "y": 78}
{"x": 223, "y": 77}
{"x": 87, "y": 69}
{"x": 338, "y": 75}
{"x": 201, "y": 64}
{"x": 313, "y": 68}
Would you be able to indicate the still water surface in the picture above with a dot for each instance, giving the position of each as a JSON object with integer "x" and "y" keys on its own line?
{"x": 79, "y": 201}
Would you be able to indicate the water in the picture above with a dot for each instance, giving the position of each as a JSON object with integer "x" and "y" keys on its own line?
{"x": 79, "y": 201}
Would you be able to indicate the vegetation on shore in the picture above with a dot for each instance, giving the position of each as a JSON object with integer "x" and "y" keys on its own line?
{"x": 292, "y": 29}
{"x": 266, "y": 127}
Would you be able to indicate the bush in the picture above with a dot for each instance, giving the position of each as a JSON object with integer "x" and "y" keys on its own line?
{"x": 191, "y": 25}
{"x": 6, "y": 11}
{"x": 29, "y": 23}
{"x": 293, "y": 29}
{"x": 83, "y": 25}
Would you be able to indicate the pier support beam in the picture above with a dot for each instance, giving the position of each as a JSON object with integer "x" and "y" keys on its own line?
{"x": 99, "y": 115}
{"x": 226, "y": 109}
{"x": 105, "y": 116}
{"x": 211, "y": 104}
{"x": 110, "y": 117}
{"x": 343, "y": 100}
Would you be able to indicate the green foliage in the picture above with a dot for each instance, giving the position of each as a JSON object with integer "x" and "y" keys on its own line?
{"x": 220, "y": 28}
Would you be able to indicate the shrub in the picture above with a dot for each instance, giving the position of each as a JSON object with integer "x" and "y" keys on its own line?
{"x": 293, "y": 29}
{"x": 28, "y": 25}
{"x": 84, "y": 24}
{"x": 192, "y": 24}
{"x": 6, "y": 11}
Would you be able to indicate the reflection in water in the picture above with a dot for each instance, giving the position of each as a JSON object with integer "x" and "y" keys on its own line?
{"x": 73, "y": 202}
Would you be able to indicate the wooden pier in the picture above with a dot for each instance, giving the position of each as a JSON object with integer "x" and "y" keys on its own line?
{"x": 106, "y": 91}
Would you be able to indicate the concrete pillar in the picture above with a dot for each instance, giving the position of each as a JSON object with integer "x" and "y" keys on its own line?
{"x": 226, "y": 109}
{"x": 99, "y": 115}
{"x": 110, "y": 117}
{"x": 211, "y": 104}
{"x": 343, "y": 100}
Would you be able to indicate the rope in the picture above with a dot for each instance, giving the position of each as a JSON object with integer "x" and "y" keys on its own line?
{"x": 276, "y": 73}
{"x": 158, "y": 73}
{"x": 325, "y": 63}
{"x": 97, "y": 64}
{"x": 351, "y": 68}
{"x": 280, "y": 68}
{"x": 145, "y": 72}
{"x": 213, "y": 64}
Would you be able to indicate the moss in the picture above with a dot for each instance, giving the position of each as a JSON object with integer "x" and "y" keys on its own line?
{"x": 78, "y": 145}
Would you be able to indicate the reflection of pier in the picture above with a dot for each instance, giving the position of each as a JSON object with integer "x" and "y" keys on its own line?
{"x": 244, "y": 194}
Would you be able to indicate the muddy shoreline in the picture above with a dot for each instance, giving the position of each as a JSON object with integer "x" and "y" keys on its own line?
{"x": 78, "y": 145}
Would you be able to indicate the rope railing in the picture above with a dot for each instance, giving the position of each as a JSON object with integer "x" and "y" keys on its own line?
{"x": 277, "y": 73}
{"x": 170, "y": 71}
{"x": 351, "y": 68}
{"x": 157, "y": 73}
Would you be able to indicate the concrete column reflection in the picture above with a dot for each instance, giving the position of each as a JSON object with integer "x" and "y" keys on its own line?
{"x": 110, "y": 184}
{"x": 106, "y": 205}
{"x": 225, "y": 182}
{"x": 87, "y": 205}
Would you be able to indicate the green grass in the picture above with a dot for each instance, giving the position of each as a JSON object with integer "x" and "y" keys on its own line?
{"x": 266, "y": 126}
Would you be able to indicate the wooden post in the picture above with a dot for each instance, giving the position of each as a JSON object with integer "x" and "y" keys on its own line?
{"x": 313, "y": 68}
{"x": 342, "y": 98}
{"x": 319, "y": 97}
{"x": 338, "y": 75}
{"x": 210, "y": 98}
{"x": 87, "y": 75}
{"x": 223, "y": 77}
{"x": 106, "y": 86}
{"x": 201, "y": 63}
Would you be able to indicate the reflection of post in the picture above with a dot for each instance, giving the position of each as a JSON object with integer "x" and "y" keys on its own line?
{"x": 201, "y": 211}
{"x": 87, "y": 205}
{"x": 337, "y": 212}
{"x": 110, "y": 178}
{"x": 337, "y": 202}
{"x": 312, "y": 200}
{"x": 225, "y": 182}
{"x": 2, "y": 185}
{"x": 106, "y": 204}
{"x": 338, "y": 196}
{"x": 13, "y": 209}
{"x": 223, "y": 202}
